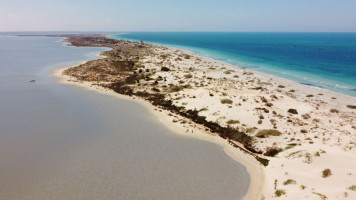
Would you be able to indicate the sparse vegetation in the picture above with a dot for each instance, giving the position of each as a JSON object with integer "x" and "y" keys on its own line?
{"x": 326, "y": 173}
{"x": 281, "y": 86}
{"x": 310, "y": 95}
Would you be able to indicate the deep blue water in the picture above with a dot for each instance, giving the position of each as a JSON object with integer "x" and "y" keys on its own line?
{"x": 326, "y": 60}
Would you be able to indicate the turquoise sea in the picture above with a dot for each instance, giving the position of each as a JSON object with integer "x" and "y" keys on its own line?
{"x": 325, "y": 60}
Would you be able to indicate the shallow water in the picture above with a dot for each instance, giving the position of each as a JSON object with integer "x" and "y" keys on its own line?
{"x": 63, "y": 142}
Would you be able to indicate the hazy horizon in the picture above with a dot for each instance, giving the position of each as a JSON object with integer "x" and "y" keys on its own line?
{"x": 178, "y": 16}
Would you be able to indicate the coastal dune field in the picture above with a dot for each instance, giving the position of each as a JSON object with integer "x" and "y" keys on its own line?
{"x": 302, "y": 138}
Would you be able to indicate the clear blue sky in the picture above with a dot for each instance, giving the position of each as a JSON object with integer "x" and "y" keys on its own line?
{"x": 178, "y": 15}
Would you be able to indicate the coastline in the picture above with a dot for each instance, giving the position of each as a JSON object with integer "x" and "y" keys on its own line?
{"x": 313, "y": 70}
{"x": 282, "y": 166}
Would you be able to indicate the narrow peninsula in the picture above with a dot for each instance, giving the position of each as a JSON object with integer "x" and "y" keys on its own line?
{"x": 303, "y": 138}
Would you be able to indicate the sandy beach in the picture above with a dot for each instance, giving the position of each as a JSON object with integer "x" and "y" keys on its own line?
{"x": 308, "y": 134}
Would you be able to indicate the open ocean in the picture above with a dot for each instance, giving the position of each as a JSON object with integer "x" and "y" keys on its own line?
{"x": 325, "y": 60}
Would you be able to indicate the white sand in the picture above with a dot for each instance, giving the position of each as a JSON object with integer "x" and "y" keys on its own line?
{"x": 323, "y": 139}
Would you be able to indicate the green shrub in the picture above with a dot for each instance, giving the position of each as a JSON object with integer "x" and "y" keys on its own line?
{"x": 156, "y": 89}
{"x": 279, "y": 193}
{"x": 203, "y": 109}
{"x": 333, "y": 110}
{"x": 303, "y": 131}
{"x": 272, "y": 151}
{"x": 289, "y": 181}
{"x": 266, "y": 133}
{"x": 233, "y": 122}
{"x": 326, "y": 173}
{"x": 353, "y": 188}
{"x": 165, "y": 69}
{"x": 226, "y": 101}
{"x": 293, "y": 111}
{"x": 351, "y": 106}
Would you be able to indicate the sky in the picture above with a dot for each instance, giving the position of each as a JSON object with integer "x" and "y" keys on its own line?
{"x": 179, "y": 15}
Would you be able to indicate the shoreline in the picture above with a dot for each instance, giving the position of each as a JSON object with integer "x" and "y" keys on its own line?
{"x": 253, "y": 168}
{"x": 321, "y": 134}
{"x": 277, "y": 78}
{"x": 191, "y": 50}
